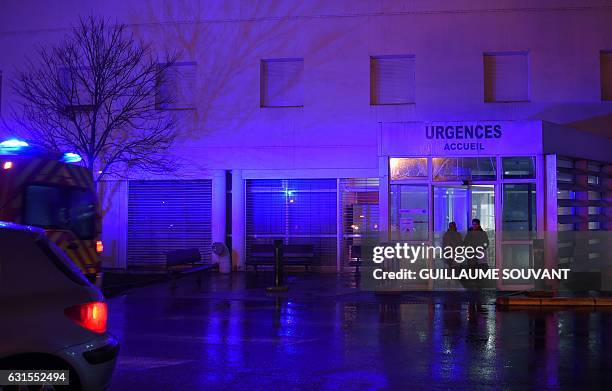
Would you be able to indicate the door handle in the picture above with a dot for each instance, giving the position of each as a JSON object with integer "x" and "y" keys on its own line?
{"x": 72, "y": 246}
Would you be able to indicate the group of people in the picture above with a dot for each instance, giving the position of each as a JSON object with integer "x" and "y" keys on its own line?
{"x": 475, "y": 237}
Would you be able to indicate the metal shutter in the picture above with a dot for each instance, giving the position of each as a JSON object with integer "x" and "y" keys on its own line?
{"x": 297, "y": 211}
{"x": 392, "y": 80}
{"x": 506, "y": 77}
{"x": 282, "y": 82}
{"x": 168, "y": 215}
{"x": 176, "y": 88}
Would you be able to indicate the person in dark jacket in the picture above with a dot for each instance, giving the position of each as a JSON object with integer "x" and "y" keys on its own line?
{"x": 452, "y": 238}
{"x": 477, "y": 237}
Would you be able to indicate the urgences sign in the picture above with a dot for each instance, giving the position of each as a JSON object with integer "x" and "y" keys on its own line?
{"x": 463, "y": 137}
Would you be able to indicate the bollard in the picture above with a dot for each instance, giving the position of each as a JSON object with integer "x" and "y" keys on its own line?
{"x": 278, "y": 269}
{"x": 278, "y": 263}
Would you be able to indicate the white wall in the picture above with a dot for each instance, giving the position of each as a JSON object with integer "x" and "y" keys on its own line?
{"x": 337, "y": 126}
{"x": 336, "y": 131}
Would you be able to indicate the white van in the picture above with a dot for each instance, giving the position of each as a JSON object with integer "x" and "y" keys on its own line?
{"x": 51, "y": 316}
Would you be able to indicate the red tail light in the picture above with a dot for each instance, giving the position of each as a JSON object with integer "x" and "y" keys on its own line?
{"x": 99, "y": 246}
{"x": 92, "y": 316}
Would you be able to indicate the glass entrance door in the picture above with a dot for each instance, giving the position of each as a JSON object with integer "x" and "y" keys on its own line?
{"x": 499, "y": 191}
{"x": 482, "y": 202}
{"x": 450, "y": 205}
{"x": 461, "y": 204}
{"x": 483, "y": 207}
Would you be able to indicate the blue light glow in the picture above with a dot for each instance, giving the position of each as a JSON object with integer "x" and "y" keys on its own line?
{"x": 70, "y": 157}
{"x": 13, "y": 144}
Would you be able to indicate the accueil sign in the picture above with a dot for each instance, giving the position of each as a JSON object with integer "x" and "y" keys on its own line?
{"x": 463, "y": 137}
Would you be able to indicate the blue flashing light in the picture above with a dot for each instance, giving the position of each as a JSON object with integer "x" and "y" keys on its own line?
{"x": 70, "y": 157}
{"x": 288, "y": 192}
{"x": 13, "y": 144}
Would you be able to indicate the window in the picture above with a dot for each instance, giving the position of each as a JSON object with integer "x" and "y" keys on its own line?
{"x": 176, "y": 87}
{"x": 61, "y": 208}
{"x": 298, "y": 211}
{"x": 464, "y": 169}
{"x": 78, "y": 89}
{"x": 392, "y": 80}
{"x": 518, "y": 167}
{"x": 360, "y": 215}
{"x": 506, "y": 77}
{"x": 519, "y": 210}
{"x": 282, "y": 82}
{"x": 408, "y": 168}
{"x": 605, "y": 61}
{"x": 581, "y": 194}
{"x": 409, "y": 212}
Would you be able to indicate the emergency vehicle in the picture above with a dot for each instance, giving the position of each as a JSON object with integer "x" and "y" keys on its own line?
{"x": 51, "y": 191}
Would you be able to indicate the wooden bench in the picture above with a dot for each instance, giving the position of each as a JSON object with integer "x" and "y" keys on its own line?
{"x": 183, "y": 262}
{"x": 293, "y": 255}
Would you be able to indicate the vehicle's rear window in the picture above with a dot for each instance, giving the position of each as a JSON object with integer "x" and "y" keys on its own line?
{"x": 61, "y": 260}
{"x": 55, "y": 207}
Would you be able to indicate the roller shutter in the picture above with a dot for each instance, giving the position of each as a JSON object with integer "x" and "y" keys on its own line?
{"x": 165, "y": 216}
{"x": 506, "y": 77}
{"x": 392, "y": 80}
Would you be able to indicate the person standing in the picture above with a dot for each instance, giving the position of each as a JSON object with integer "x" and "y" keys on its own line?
{"x": 477, "y": 237}
{"x": 452, "y": 238}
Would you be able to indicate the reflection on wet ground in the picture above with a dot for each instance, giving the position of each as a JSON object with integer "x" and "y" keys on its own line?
{"x": 324, "y": 334}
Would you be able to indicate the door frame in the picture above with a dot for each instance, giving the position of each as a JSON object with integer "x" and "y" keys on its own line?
{"x": 499, "y": 250}
{"x": 496, "y": 207}
{"x": 454, "y": 185}
{"x": 540, "y": 188}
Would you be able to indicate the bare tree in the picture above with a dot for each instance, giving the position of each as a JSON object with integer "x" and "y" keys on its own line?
{"x": 96, "y": 94}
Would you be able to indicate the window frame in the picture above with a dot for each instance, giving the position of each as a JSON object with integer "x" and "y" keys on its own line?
{"x": 526, "y": 54}
{"x": 373, "y": 84}
{"x": 263, "y": 96}
{"x": 605, "y": 96}
{"x": 176, "y": 106}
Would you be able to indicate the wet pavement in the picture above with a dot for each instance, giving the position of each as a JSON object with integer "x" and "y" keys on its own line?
{"x": 325, "y": 334}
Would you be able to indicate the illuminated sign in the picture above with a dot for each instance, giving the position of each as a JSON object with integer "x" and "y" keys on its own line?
{"x": 460, "y": 138}
{"x": 463, "y": 137}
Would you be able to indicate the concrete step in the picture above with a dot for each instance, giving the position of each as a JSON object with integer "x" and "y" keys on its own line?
{"x": 554, "y": 301}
